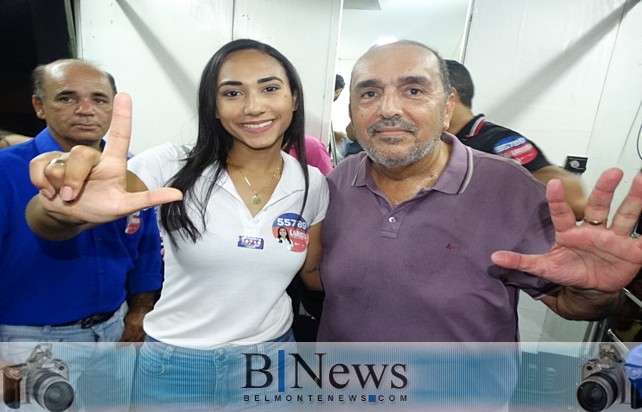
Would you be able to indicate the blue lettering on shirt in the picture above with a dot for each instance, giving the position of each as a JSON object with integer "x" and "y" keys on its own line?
{"x": 249, "y": 242}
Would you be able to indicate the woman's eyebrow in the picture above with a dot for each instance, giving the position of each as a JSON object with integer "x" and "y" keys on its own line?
{"x": 269, "y": 79}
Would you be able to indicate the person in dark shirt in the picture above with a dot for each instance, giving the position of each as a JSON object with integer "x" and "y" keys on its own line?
{"x": 477, "y": 132}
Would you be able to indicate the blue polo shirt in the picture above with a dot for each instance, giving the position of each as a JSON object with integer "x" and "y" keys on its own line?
{"x": 47, "y": 282}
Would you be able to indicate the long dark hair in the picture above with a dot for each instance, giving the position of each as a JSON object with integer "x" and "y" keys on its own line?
{"x": 214, "y": 142}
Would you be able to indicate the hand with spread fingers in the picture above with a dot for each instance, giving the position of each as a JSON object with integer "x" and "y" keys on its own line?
{"x": 595, "y": 254}
{"x": 87, "y": 187}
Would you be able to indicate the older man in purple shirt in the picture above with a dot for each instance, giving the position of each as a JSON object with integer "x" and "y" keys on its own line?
{"x": 428, "y": 240}
{"x": 422, "y": 271}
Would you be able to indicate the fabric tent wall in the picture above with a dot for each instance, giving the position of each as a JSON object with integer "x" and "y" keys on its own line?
{"x": 156, "y": 50}
{"x": 565, "y": 73}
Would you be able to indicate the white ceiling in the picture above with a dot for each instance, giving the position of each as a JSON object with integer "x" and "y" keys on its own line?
{"x": 438, "y": 23}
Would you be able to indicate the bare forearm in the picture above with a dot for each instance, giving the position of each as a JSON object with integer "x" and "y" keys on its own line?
{"x": 12, "y": 139}
{"x": 138, "y": 306}
{"x": 310, "y": 273}
{"x": 583, "y": 304}
{"x": 312, "y": 278}
{"x": 142, "y": 302}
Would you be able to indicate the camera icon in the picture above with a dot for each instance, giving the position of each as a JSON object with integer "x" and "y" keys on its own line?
{"x": 608, "y": 380}
{"x": 41, "y": 378}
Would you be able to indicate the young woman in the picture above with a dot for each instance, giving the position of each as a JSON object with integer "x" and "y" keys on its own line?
{"x": 226, "y": 273}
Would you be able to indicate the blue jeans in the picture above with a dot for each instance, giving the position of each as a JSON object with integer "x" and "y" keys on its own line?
{"x": 173, "y": 378}
{"x": 100, "y": 371}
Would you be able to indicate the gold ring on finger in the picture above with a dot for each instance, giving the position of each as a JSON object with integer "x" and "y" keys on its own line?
{"x": 594, "y": 222}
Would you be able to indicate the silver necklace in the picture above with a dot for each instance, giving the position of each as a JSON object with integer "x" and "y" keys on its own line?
{"x": 256, "y": 199}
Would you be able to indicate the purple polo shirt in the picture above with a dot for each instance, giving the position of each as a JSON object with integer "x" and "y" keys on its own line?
{"x": 421, "y": 271}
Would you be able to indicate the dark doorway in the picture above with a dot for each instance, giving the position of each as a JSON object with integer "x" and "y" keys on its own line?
{"x": 33, "y": 32}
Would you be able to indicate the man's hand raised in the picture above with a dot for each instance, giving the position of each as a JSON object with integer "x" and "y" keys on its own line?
{"x": 596, "y": 255}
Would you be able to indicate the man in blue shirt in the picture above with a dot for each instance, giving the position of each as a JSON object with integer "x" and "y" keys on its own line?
{"x": 95, "y": 287}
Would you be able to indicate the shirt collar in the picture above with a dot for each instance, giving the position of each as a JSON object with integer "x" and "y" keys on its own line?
{"x": 46, "y": 143}
{"x": 454, "y": 178}
{"x": 472, "y": 128}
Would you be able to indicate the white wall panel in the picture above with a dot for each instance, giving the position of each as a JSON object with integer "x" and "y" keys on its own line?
{"x": 539, "y": 74}
{"x": 618, "y": 122}
{"x": 156, "y": 50}
{"x": 539, "y": 67}
{"x": 566, "y": 73}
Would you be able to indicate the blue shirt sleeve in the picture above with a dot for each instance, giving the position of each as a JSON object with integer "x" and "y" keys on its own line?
{"x": 146, "y": 276}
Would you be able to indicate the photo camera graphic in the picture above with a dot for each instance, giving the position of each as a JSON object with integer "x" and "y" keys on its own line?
{"x": 40, "y": 379}
{"x": 609, "y": 380}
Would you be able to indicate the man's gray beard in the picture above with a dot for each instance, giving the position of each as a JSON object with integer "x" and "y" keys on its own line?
{"x": 417, "y": 153}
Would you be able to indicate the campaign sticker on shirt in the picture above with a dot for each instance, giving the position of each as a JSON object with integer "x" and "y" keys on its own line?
{"x": 133, "y": 223}
{"x": 516, "y": 148}
{"x": 291, "y": 231}
{"x": 249, "y": 242}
